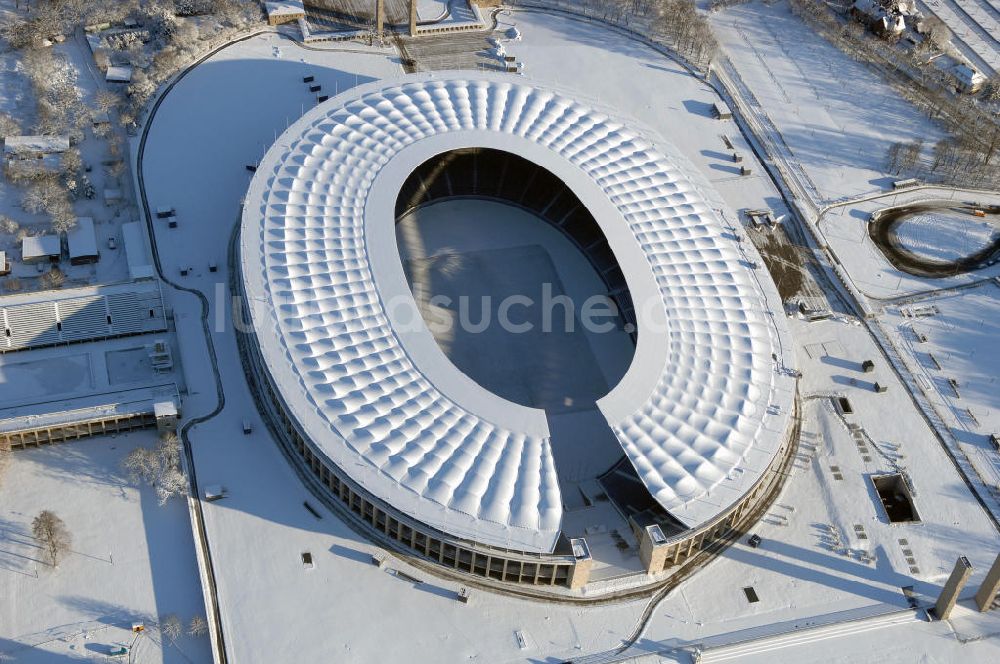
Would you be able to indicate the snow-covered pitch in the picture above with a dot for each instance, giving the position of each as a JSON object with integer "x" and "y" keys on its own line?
{"x": 701, "y": 412}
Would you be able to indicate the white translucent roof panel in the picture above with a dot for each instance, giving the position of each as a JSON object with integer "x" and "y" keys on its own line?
{"x": 701, "y": 411}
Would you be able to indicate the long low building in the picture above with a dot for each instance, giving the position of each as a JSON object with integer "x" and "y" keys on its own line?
{"x": 415, "y": 448}
{"x": 91, "y": 415}
{"x": 32, "y": 147}
{"x": 74, "y": 315}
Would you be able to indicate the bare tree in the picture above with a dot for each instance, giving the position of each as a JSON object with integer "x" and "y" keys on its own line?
{"x": 892, "y": 157}
{"x": 172, "y": 481}
{"x": 115, "y": 146}
{"x": 991, "y": 91}
{"x": 197, "y": 627}
{"x": 71, "y": 161}
{"x": 20, "y": 33}
{"x": 910, "y": 154}
{"x": 186, "y": 35}
{"x": 160, "y": 468}
{"x": 102, "y": 130}
{"x": 235, "y": 13}
{"x": 63, "y": 216}
{"x": 102, "y": 60}
{"x": 937, "y": 32}
{"x": 42, "y": 195}
{"x": 159, "y": 20}
{"x": 50, "y": 530}
{"x": 54, "y": 278}
{"x": 854, "y": 30}
{"x": 127, "y": 116}
{"x": 53, "y": 78}
{"x": 171, "y": 627}
{"x": 141, "y": 465}
{"x": 992, "y": 144}
{"x": 140, "y": 88}
{"x": 680, "y": 24}
{"x": 106, "y": 100}
{"x": 8, "y": 225}
{"x": 9, "y": 126}
{"x": 46, "y": 194}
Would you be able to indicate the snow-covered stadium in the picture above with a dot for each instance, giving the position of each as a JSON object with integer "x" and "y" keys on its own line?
{"x": 427, "y": 458}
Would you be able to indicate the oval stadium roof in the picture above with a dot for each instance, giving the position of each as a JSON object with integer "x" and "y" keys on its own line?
{"x": 702, "y": 410}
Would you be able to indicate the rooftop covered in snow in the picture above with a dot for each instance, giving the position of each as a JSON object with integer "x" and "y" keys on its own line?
{"x": 20, "y": 146}
{"x": 284, "y": 11}
{"x": 121, "y": 74}
{"x": 81, "y": 240}
{"x": 35, "y": 247}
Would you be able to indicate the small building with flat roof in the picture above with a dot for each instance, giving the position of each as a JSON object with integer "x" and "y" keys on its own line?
{"x": 118, "y": 74}
{"x": 969, "y": 80}
{"x": 166, "y": 415}
{"x": 39, "y": 248}
{"x": 33, "y": 147}
{"x": 286, "y": 11}
{"x": 112, "y": 196}
{"x": 4, "y": 265}
{"x": 140, "y": 265}
{"x": 82, "y": 242}
{"x": 28, "y": 156}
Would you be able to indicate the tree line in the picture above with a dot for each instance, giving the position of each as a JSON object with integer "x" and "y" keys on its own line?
{"x": 968, "y": 155}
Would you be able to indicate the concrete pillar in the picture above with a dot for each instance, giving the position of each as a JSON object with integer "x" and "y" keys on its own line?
{"x": 413, "y": 18}
{"x": 579, "y": 574}
{"x": 952, "y": 588}
{"x": 991, "y": 584}
{"x": 379, "y": 17}
{"x": 653, "y": 549}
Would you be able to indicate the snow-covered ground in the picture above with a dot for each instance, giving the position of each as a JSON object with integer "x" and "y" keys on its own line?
{"x": 961, "y": 329}
{"x": 228, "y": 111}
{"x": 835, "y": 115}
{"x": 845, "y": 231}
{"x": 809, "y": 568}
{"x": 131, "y": 560}
{"x": 945, "y": 236}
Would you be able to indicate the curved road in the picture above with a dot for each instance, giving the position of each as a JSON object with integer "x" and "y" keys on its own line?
{"x": 881, "y": 231}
